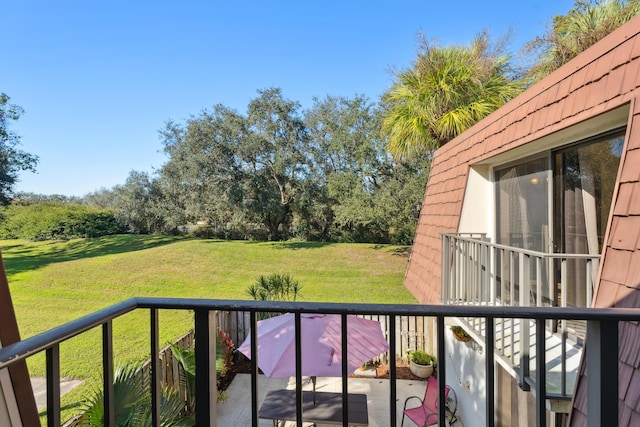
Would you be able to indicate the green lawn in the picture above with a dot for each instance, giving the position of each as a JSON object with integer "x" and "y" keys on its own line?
{"x": 55, "y": 282}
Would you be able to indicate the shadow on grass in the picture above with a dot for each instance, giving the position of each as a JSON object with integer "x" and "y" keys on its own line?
{"x": 18, "y": 258}
{"x": 43, "y": 414}
{"x": 281, "y": 245}
{"x": 402, "y": 251}
{"x": 301, "y": 245}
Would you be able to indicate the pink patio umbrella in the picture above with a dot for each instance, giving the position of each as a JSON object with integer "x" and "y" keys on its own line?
{"x": 321, "y": 344}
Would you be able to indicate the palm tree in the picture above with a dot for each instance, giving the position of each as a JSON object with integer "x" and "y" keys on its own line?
{"x": 581, "y": 27}
{"x": 186, "y": 359}
{"x": 132, "y": 403}
{"x": 447, "y": 90}
{"x": 276, "y": 287}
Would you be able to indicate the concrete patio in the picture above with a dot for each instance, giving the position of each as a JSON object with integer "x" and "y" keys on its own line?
{"x": 236, "y": 410}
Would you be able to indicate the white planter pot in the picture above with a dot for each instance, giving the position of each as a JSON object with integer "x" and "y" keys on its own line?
{"x": 422, "y": 371}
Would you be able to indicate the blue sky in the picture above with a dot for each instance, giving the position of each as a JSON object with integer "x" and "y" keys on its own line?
{"x": 98, "y": 79}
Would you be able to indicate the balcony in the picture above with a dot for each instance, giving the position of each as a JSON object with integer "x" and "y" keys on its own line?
{"x": 480, "y": 273}
{"x": 601, "y": 330}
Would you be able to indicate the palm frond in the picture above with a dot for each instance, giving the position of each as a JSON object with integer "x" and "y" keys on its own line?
{"x": 447, "y": 90}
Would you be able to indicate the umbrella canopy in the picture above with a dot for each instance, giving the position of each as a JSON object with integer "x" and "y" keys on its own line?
{"x": 321, "y": 344}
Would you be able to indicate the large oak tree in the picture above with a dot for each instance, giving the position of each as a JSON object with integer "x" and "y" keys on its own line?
{"x": 12, "y": 159}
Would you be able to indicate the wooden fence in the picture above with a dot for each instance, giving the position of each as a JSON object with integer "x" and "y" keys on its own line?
{"x": 169, "y": 365}
{"x": 169, "y": 371}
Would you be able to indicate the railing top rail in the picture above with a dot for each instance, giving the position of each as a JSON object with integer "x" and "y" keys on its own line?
{"x": 530, "y": 252}
{"x": 37, "y": 343}
{"x": 618, "y": 314}
{"x": 25, "y": 348}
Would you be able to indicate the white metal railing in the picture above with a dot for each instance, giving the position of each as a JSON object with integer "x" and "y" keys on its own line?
{"x": 478, "y": 272}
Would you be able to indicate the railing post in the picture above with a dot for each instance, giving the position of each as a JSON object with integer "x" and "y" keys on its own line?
{"x": 563, "y": 324}
{"x": 53, "y": 386}
{"x": 441, "y": 368}
{"x": 446, "y": 273}
{"x": 486, "y": 275}
{"x": 254, "y": 368}
{"x": 524, "y": 286}
{"x": 589, "y": 264}
{"x": 541, "y": 374}
{"x": 602, "y": 379}
{"x": 539, "y": 282}
{"x": 107, "y": 374}
{"x": 466, "y": 265}
{"x": 453, "y": 271}
{"x": 482, "y": 283}
{"x": 345, "y": 373}
{"x": 155, "y": 368}
{"x": 512, "y": 277}
{"x": 563, "y": 360}
{"x": 206, "y": 394}
{"x": 563, "y": 284}
{"x": 489, "y": 352}
{"x": 493, "y": 274}
{"x": 551, "y": 278}
{"x": 392, "y": 371}
{"x": 298, "y": 334}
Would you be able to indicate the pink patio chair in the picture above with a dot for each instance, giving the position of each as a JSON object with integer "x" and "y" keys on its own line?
{"x": 426, "y": 413}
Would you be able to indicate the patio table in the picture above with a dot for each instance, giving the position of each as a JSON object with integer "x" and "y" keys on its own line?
{"x": 280, "y": 405}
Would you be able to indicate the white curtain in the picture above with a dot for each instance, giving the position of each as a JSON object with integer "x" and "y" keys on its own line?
{"x": 581, "y": 225}
{"x": 517, "y": 216}
{"x": 589, "y": 204}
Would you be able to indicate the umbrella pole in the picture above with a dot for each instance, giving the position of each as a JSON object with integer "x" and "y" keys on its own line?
{"x": 313, "y": 380}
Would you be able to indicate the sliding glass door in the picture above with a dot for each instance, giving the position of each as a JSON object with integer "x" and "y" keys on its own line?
{"x": 584, "y": 177}
{"x": 558, "y": 202}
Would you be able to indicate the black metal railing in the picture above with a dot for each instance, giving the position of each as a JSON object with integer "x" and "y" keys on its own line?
{"x": 602, "y": 351}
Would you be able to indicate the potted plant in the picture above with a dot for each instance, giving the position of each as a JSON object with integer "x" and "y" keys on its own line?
{"x": 460, "y": 334}
{"x": 421, "y": 363}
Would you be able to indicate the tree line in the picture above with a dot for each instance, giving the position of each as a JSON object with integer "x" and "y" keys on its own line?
{"x": 345, "y": 169}
{"x": 273, "y": 172}
{"x": 276, "y": 172}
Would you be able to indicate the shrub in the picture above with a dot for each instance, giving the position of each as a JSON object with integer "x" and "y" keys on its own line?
{"x": 277, "y": 287}
{"x": 132, "y": 403}
{"x": 460, "y": 332}
{"x": 186, "y": 359}
{"x": 420, "y": 357}
{"x": 56, "y": 221}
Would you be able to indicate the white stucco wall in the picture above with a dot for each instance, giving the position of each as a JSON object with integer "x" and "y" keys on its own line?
{"x": 465, "y": 374}
{"x": 477, "y": 208}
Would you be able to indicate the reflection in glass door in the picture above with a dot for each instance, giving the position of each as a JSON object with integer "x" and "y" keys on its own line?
{"x": 584, "y": 177}
{"x": 522, "y": 221}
